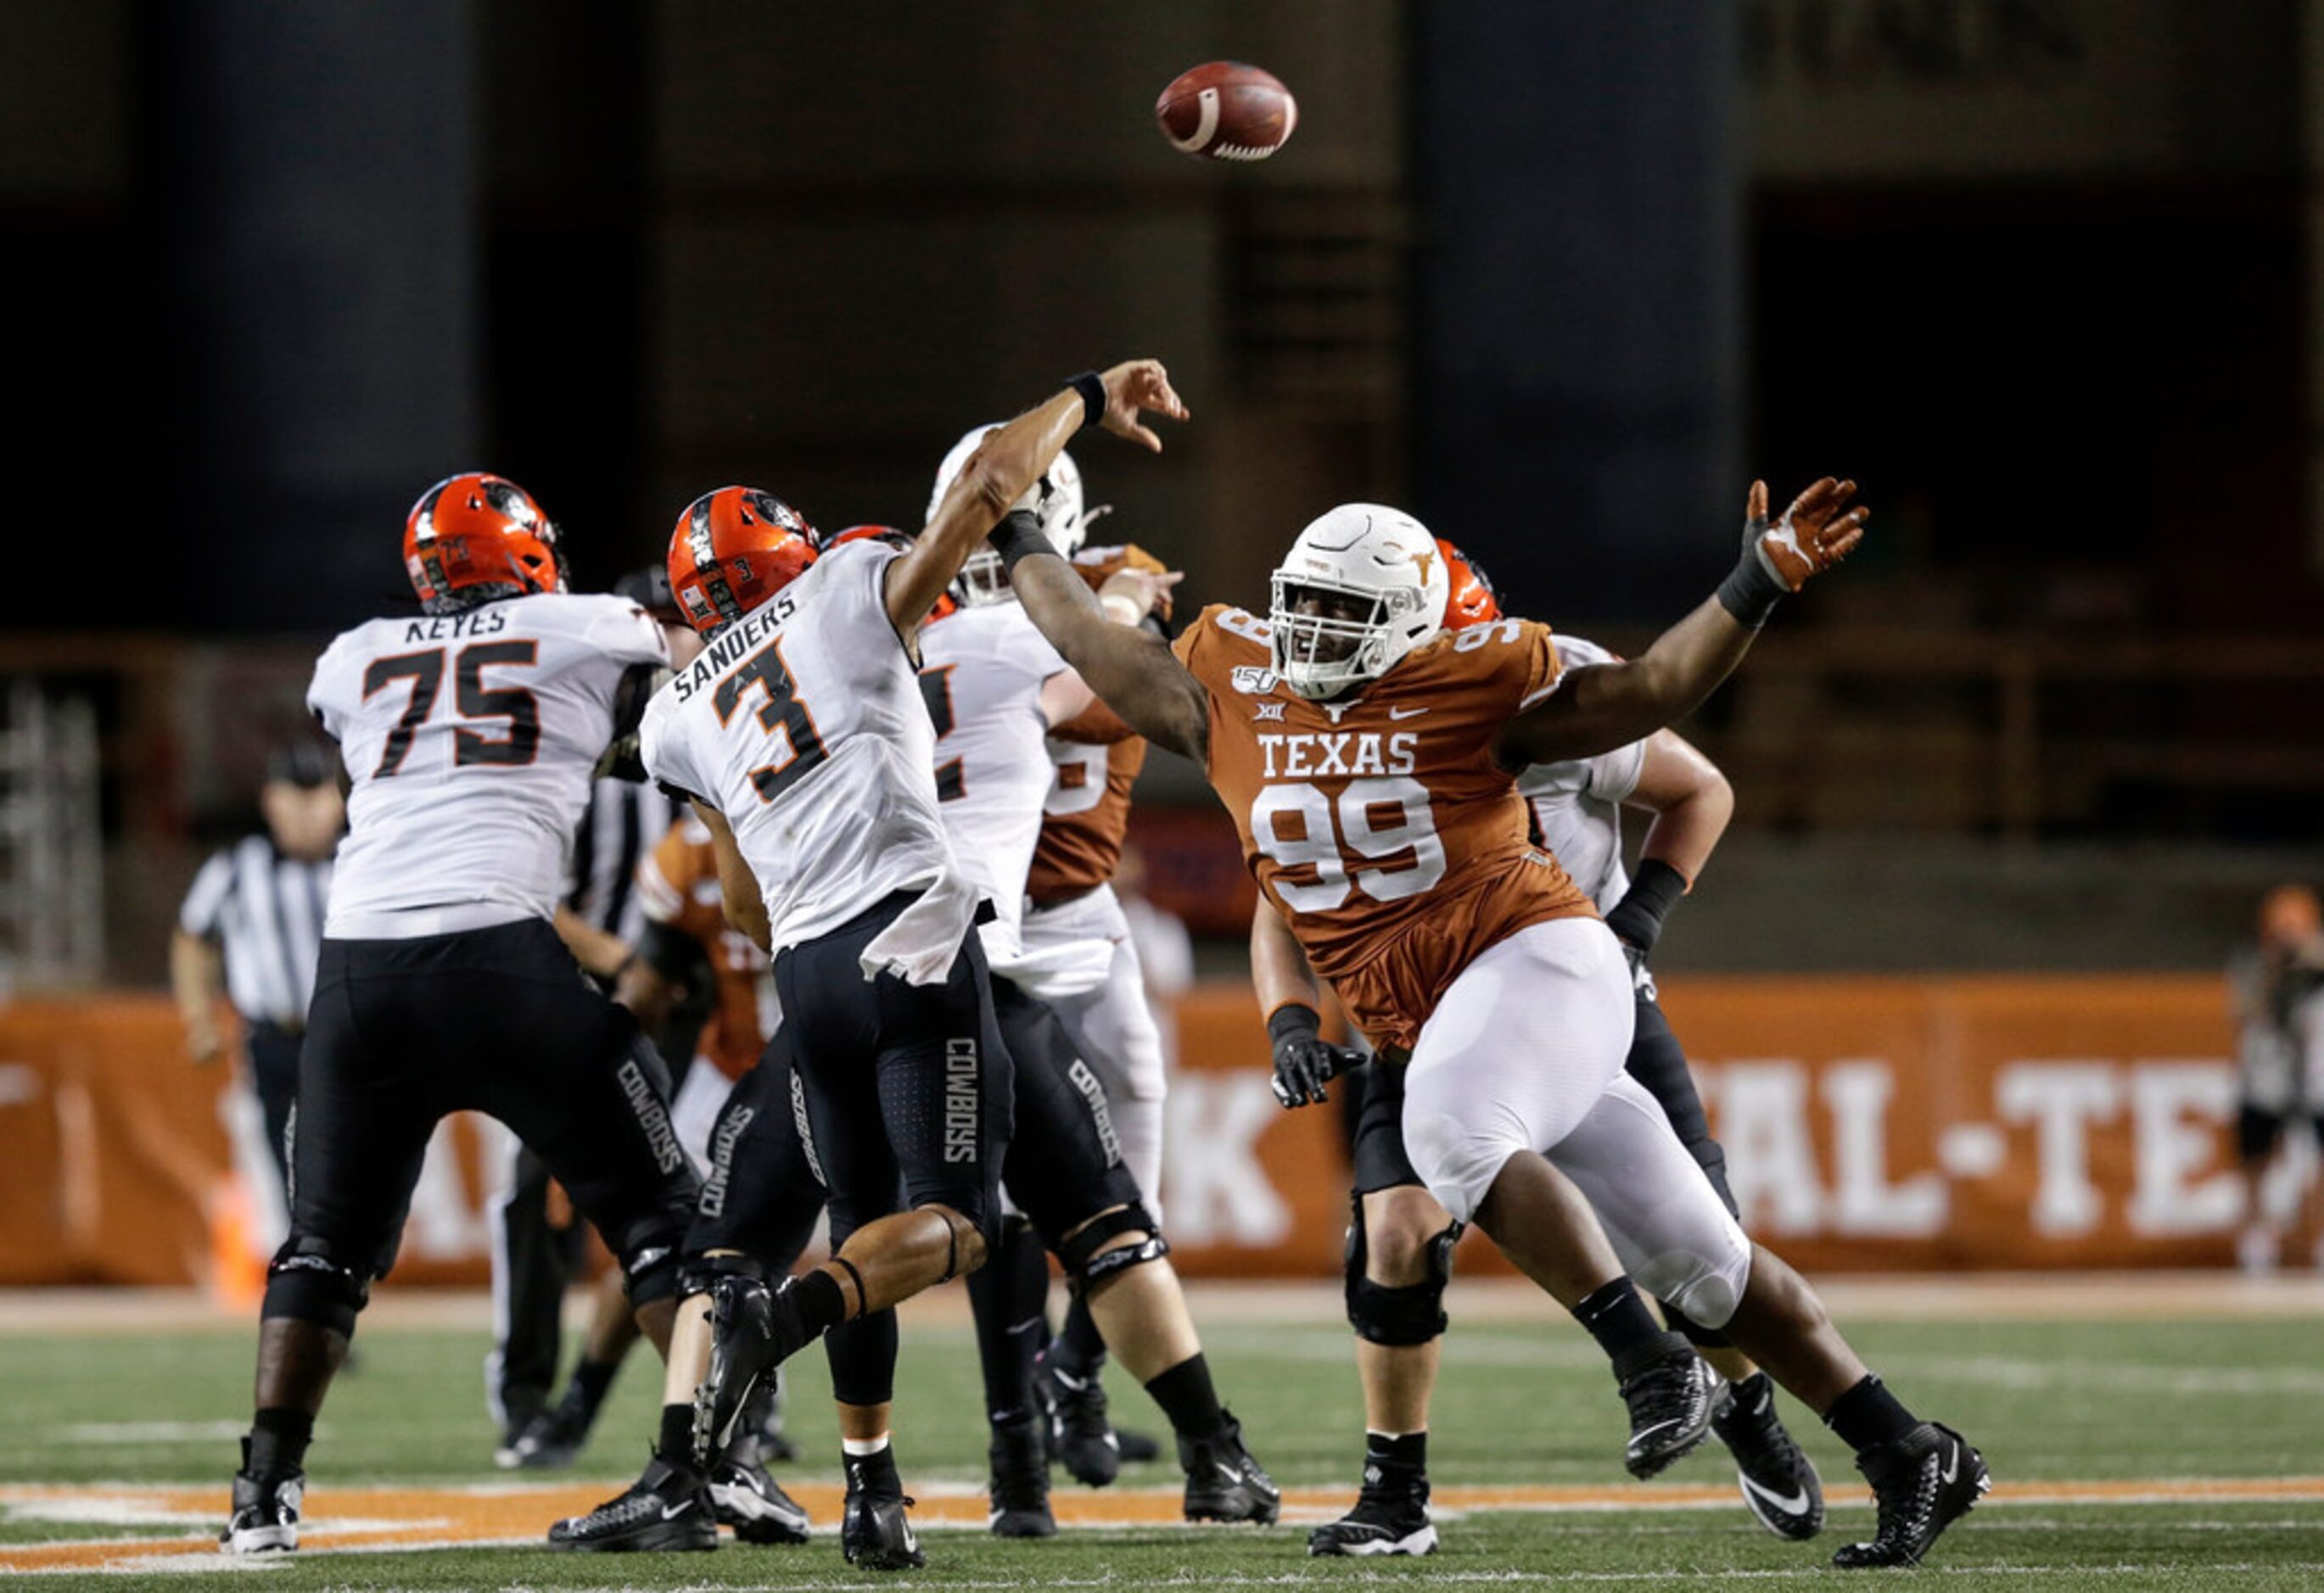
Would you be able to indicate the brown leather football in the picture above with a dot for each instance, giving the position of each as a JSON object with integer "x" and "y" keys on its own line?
{"x": 1223, "y": 110}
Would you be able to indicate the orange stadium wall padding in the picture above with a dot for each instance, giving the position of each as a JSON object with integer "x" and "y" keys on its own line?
{"x": 1870, "y": 1124}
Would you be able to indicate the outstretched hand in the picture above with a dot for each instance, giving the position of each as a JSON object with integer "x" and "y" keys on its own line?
{"x": 1136, "y": 386}
{"x": 1816, "y": 532}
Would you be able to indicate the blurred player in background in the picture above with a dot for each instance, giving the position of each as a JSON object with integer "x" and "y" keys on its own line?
{"x": 1400, "y": 1244}
{"x": 470, "y": 735}
{"x": 2275, "y": 990}
{"x": 997, "y": 692}
{"x": 251, "y": 929}
{"x": 1368, "y": 759}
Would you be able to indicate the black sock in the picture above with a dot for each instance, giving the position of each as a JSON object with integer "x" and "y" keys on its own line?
{"x": 1080, "y": 1350}
{"x": 675, "y": 1443}
{"x": 279, "y": 1437}
{"x": 1867, "y": 1416}
{"x": 1623, "y": 1326}
{"x": 1186, "y": 1397}
{"x": 1754, "y": 1393}
{"x": 1406, "y": 1452}
{"x": 821, "y": 1303}
{"x": 1008, "y": 1295}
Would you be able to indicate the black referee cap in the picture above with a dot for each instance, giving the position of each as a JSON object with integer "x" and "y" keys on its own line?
{"x": 300, "y": 763}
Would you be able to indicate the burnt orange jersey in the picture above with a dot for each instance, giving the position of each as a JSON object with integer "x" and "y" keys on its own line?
{"x": 1086, "y": 817}
{"x": 677, "y": 885}
{"x": 1381, "y": 824}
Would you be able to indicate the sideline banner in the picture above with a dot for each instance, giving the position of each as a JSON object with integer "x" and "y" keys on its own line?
{"x": 1870, "y": 1124}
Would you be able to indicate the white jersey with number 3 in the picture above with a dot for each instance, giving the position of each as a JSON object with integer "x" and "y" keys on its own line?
{"x": 469, "y": 740}
{"x": 1577, "y": 804}
{"x": 803, "y": 723}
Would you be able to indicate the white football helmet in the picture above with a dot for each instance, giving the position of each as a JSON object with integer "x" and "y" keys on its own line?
{"x": 1386, "y": 566}
{"x": 1063, "y": 520}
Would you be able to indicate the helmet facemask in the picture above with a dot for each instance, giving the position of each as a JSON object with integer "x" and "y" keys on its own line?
{"x": 1355, "y": 639}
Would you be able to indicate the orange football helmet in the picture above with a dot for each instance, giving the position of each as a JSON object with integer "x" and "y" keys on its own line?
{"x": 475, "y": 536}
{"x": 946, "y": 604}
{"x": 1471, "y": 600}
{"x": 731, "y": 551}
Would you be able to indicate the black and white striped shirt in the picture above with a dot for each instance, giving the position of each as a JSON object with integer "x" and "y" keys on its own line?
{"x": 624, "y": 821}
{"x": 266, "y": 910}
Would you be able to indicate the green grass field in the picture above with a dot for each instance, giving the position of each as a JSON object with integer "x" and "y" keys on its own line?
{"x": 2053, "y": 1405}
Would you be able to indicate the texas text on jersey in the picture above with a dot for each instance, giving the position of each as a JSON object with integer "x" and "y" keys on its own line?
{"x": 1382, "y": 823}
{"x": 804, "y": 723}
{"x": 469, "y": 738}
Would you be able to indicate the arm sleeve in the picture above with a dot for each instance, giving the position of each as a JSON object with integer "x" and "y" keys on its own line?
{"x": 204, "y": 902}
{"x": 626, "y": 634}
{"x": 661, "y": 749}
{"x": 322, "y": 696}
{"x": 1613, "y": 776}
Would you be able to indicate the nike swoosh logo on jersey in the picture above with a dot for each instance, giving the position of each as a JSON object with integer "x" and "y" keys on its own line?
{"x": 1790, "y": 1503}
{"x": 1406, "y": 713}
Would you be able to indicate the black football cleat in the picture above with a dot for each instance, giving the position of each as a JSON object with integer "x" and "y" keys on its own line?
{"x": 875, "y": 1532}
{"x": 265, "y": 1518}
{"x": 666, "y": 1510}
{"x": 1779, "y": 1483}
{"x": 1019, "y": 1485}
{"x": 744, "y": 1498}
{"x": 550, "y": 1441}
{"x": 1390, "y": 1517}
{"x": 1670, "y": 1394}
{"x": 1081, "y": 1430}
{"x": 1224, "y": 1482}
{"x": 753, "y": 1329}
{"x": 1136, "y": 1448}
{"x": 1923, "y": 1482}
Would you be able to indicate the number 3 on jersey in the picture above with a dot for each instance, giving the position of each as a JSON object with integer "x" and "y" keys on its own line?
{"x": 1375, "y": 819}
{"x": 782, "y": 711}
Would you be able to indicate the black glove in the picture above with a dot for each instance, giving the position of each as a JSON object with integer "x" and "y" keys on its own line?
{"x": 1638, "y": 917}
{"x": 1304, "y": 1062}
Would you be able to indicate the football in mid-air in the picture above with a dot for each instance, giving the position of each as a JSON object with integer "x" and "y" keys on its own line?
{"x": 1226, "y": 111}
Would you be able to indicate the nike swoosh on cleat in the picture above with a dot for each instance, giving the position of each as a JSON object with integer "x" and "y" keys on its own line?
{"x": 1233, "y": 1478}
{"x": 1952, "y": 1465}
{"x": 1791, "y": 1503}
{"x": 1657, "y": 1427}
{"x": 672, "y": 1512}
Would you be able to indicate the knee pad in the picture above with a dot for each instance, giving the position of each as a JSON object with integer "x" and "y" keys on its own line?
{"x": 1413, "y": 1313}
{"x": 1086, "y": 1268}
{"x": 305, "y": 1282}
{"x": 698, "y": 1274}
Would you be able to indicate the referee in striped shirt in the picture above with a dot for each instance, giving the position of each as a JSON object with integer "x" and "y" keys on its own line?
{"x": 255, "y": 916}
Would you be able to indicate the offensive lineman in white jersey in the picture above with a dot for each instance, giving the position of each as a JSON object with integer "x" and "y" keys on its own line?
{"x": 469, "y": 736}
{"x": 1401, "y": 1238}
{"x": 994, "y": 688}
{"x": 801, "y": 735}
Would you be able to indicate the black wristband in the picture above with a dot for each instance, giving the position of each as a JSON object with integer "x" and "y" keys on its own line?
{"x": 1017, "y": 535}
{"x": 1752, "y": 590}
{"x": 1092, "y": 387}
{"x": 1294, "y": 1020}
{"x": 1653, "y": 891}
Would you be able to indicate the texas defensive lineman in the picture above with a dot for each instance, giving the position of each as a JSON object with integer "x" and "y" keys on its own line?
{"x": 1368, "y": 759}
{"x": 994, "y": 689}
{"x": 1400, "y": 1239}
{"x": 469, "y": 735}
{"x": 802, "y": 734}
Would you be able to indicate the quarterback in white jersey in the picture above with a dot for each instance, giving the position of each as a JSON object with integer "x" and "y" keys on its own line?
{"x": 801, "y": 735}
{"x": 469, "y": 737}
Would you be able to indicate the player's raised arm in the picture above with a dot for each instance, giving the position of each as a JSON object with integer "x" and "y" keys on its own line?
{"x": 1131, "y": 669}
{"x": 1605, "y": 706}
{"x": 1009, "y": 464}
